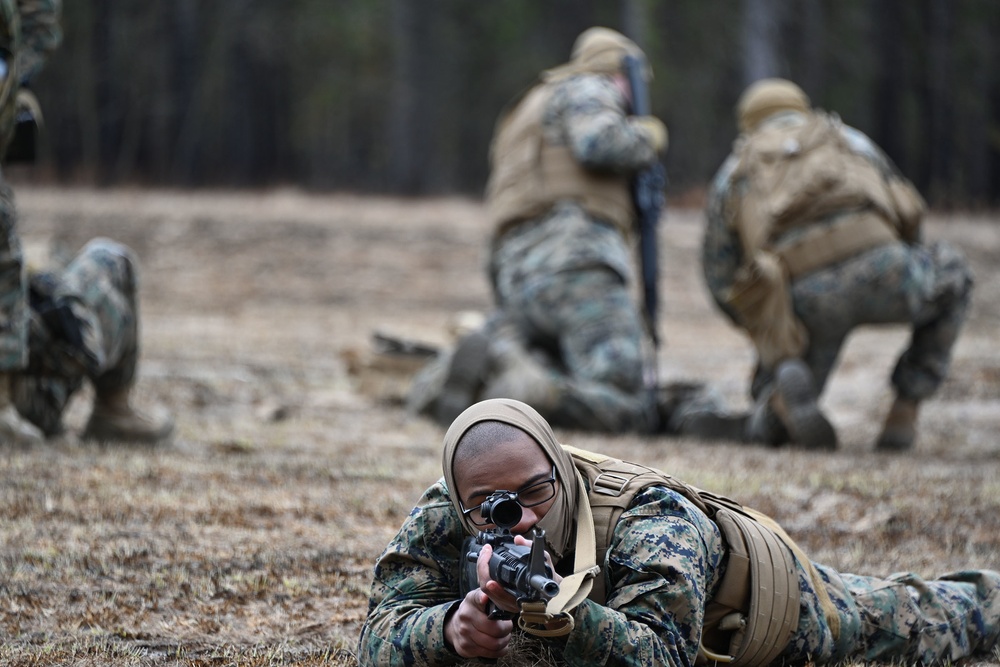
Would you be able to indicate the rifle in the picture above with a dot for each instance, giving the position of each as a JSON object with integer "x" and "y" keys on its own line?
{"x": 647, "y": 193}
{"x": 521, "y": 570}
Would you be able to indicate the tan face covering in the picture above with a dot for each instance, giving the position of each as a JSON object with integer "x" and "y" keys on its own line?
{"x": 558, "y": 521}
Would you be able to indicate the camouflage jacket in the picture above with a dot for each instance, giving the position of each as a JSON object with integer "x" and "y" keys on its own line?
{"x": 587, "y": 113}
{"x": 722, "y": 254}
{"x": 664, "y": 562}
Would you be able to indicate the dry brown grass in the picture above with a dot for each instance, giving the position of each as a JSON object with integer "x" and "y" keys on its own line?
{"x": 250, "y": 540}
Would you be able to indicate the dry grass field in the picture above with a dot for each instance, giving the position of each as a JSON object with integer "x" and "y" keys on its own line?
{"x": 250, "y": 539}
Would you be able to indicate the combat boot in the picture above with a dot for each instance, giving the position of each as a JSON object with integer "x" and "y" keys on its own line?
{"x": 113, "y": 419}
{"x": 900, "y": 429}
{"x": 464, "y": 376}
{"x": 795, "y": 402}
{"x": 15, "y": 429}
{"x": 516, "y": 373}
{"x": 524, "y": 379}
{"x": 690, "y": 409}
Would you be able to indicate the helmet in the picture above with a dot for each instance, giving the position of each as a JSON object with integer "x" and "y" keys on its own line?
{"x": 598, "y": 51}
{"x": 766, "y": 97}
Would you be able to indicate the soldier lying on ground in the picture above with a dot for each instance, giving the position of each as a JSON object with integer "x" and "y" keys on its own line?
{"x": 679, "y": 572}
{"x": 85, "y": 326}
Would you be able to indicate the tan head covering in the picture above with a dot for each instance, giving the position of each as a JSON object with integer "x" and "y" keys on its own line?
{"x": 558, "y": 521}
{"x": 766, "y": 97}
{"x": 598, "y": 51}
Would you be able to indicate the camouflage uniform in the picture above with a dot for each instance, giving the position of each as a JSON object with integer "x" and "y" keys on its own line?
{"x": 98, "y": 292}
{"x": 30, "y": 31}
{"x": 565, "y": 278}
{"x": 657, "y": 591}
{"x": 562, "y": 280}
{"x": 925, "y": 286}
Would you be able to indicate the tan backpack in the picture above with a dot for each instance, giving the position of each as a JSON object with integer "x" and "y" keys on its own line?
{"x": 796, "y": 174}
{"x": 792, "y": 175}
{"x": 751, "y": 616}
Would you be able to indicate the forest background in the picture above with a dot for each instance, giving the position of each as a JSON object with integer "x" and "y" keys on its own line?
{"x": 297, "y": 175}
{"x": 400, "y": 96}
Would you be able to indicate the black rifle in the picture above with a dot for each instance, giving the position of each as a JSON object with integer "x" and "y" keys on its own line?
{"x": 647, "y": 193}
{"x": 521, "y": 570}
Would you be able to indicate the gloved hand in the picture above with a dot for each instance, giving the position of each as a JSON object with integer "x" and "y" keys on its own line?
{"x": 654, "y": 128}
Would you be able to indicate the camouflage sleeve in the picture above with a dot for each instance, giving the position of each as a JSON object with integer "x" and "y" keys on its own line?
{"x": 662, "y": 564}
{"x": 721, "y": 254}
{"x": 587, "y": 113}
{"x": 41, "y": 34}
{"x": 415, "y": 586}
{"x": 909, "y": 205}
{"x": 861, "y": 144}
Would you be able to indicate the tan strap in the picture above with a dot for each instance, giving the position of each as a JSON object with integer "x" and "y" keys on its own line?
{"x": 822, "y": 244}
{"x": 535, "y": 620}
{"x": 556, "y": 619}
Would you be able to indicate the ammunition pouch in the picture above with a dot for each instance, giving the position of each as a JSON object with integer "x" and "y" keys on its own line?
{"x": 762, "y": 300}
{"x": 752, "y": 615}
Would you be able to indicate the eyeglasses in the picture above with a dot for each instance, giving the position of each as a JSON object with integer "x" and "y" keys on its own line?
{"x": 528, "y": 496}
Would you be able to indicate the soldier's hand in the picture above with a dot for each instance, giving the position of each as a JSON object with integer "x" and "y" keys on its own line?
{"x": 653, "y": 128}
{"x": 472, "y": 633}
{"x": 501, "y": 598}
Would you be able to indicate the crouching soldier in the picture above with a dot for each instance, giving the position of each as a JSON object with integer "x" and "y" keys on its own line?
{"x": 84, "y": 325}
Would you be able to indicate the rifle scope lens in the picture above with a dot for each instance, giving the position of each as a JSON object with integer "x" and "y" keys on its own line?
{"x": 502, "y": 510}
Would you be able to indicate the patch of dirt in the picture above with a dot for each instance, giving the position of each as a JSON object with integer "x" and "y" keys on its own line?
{"x": 250, "y": 540}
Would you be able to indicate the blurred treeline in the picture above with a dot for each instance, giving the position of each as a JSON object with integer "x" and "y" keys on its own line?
{"x": 400, "y": 96}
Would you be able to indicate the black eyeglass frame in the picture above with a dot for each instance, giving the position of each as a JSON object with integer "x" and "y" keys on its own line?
{"x": 515, "y": 496}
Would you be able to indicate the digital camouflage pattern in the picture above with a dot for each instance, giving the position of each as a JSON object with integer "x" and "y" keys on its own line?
{"x": 565, "y": 283}
{"x": 30, "y": 31}
{"x": 99, "y": 289}
{"x": 665, "y": 559}
{"x": 927, "y": 286}
{"x": 567, "y": 279}
{"x": 13, "y": 300}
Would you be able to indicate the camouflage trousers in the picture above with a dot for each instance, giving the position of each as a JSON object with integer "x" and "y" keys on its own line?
{"x": 13, "y": 289}
{"x": 927, "y": 287}
{"x": 100, "y": 288}
{"x": 901, "y": 617}
{"x": 588, "y": 323}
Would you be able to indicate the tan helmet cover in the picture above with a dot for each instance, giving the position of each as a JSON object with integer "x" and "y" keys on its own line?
{"x": 598, "y": 51}
{"x": 766, "y": 97}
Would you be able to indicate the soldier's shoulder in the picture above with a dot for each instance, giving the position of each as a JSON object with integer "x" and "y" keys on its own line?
{"x": 586, "y": 90}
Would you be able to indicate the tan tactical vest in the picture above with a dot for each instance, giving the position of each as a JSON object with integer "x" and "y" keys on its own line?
{"x": 804, "y": 200}
{"x": 795, "y": 175}
{"x": 528, "y": 175}
{"x": 751, "y": 616}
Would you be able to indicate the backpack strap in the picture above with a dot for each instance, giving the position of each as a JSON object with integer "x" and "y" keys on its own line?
{"x": 756, "y": 605}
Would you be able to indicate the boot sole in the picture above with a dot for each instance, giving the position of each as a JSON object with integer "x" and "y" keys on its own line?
{"x": 464, "y": 379}
{"x": 806, "y": 424}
